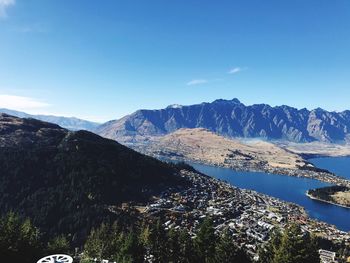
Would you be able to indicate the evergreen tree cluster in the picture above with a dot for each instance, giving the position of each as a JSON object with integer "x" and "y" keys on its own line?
{"x": 21, "y": 241}
{"x": 291, "y": 246}
{"x": 151, "y": 243}
{"x": 325, "y": 193}
{"x": 65, "y": 180}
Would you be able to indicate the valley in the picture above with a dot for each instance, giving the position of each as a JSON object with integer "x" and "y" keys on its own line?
{"x": 116, "y": 183}
{"x": 174, "y": 131}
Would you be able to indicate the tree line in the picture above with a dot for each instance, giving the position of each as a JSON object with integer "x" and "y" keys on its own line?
{"x": 151, "y": 243}
{"x": 21, "y": 241}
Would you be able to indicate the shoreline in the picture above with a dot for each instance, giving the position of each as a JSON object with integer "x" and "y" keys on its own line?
{"x": 251, "y": 205}
{"x": 308, "y": 156}
{"x": 305, "y": 212}
{"x": 305, "y": 171}
{"x": 322, "y": 176}
{"x": 325, "y": 201}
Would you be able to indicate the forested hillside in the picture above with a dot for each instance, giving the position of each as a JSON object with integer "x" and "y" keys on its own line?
{"x": 65, "y": 181}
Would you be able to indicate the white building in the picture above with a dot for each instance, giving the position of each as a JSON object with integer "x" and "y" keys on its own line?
{"x": 327, "y": 256}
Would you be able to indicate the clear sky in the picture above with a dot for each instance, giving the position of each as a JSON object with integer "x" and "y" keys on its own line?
{"x": 103, "y": 59}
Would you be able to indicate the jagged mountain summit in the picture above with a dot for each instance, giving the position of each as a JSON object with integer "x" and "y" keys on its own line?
{"x": 70, "y": 123}
{"x": 232, "y": 118}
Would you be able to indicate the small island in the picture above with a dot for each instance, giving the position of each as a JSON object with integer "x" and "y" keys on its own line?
{"x": 336, "y": 195}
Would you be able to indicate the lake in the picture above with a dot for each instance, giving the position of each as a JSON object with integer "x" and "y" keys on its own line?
{"x": 289, "y": 188}
{"x": 337, "y": 165}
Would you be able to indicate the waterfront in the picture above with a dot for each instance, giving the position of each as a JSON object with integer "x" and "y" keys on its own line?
{"x": 248, "y": 215}
{"x": 286, "y": 188}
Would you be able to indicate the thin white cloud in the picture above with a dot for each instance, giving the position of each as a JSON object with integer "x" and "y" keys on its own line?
{"x": 236, "y": 70}
{"x": 21, "y": 103}
{"x": 4, "y": 4}
{"x": 34, "y": 28}
{"x": 197, "y": 82}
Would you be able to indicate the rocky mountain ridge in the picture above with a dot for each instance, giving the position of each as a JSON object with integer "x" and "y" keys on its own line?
{"x": 231, "y": 118}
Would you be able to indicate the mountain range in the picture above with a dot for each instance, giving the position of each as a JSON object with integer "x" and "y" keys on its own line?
{"x": 70, "y": 123}
{"x": 231, "y": 118}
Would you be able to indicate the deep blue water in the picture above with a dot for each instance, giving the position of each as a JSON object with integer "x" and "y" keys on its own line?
{"x": 337, "y": 165}
{"x": 287, "y": 188}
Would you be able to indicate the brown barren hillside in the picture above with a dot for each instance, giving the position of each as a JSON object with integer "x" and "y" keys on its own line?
{"x": 207, "y": 147}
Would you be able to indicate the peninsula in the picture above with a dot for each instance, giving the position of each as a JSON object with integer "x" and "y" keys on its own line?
{"x": 203, "y": 146}
{"x": 336, "y": 195}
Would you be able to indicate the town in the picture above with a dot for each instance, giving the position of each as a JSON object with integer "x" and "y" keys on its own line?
{"x": 250, "y": 216}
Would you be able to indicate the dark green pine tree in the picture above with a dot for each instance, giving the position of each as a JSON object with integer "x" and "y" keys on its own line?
{"x": 205, "y": 242}
{"x": 96, "y": 245}
{"x": 158, "y": 242}
{"x": 19, "y": 240}
{"x": 312, "y": 256}
{"x": 58, "y": 245}
{"x": 103, "y": 242}
{"x": 186, "y": 250}
{"x": 293, "y": 246}
{"x": 173, "y": 246}
{"x": 131, "y": 250}
{"x": 267, "y": 252}
{"x": 145, "y": 238}
{"x": 296, "y": 247}
{"x": 227, "y": 252}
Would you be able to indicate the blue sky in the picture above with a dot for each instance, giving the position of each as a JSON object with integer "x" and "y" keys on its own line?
{"x": 100, "y": 60}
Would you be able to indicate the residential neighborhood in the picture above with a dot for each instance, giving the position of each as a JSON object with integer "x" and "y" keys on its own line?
{"x": 251, "y": 217}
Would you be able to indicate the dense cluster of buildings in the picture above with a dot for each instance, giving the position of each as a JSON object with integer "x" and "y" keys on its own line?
{"x": 249, "y": 216}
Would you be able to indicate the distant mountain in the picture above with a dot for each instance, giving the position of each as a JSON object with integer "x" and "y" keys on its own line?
{"x": 67, "y": 182}
{"x": 69, "y": 123}
{"x": 232, "y": 118}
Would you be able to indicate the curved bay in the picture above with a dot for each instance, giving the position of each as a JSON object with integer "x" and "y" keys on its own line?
{"x": 291, "y": 189}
